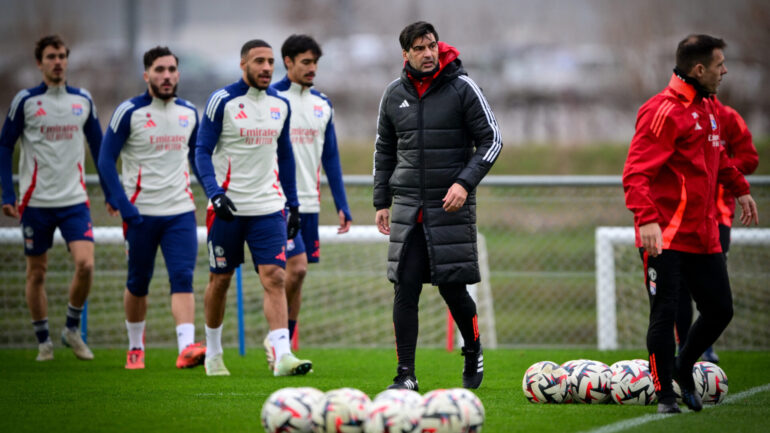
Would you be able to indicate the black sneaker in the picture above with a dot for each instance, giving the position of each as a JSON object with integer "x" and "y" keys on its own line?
{"x": 687, "y": 387}
{"x": 405, "y": 379}
{"x": 473, "y": 372}
{"x": 669, "y": 408}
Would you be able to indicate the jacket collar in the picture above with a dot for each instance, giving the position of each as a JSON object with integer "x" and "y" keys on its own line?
{"x": 682, "y": 90}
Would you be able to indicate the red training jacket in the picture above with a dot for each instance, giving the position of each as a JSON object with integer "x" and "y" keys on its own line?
{"x": 736, "y": 139}
{"x": 674, "y": 164}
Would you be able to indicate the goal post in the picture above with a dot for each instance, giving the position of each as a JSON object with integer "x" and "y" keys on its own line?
{"x": 607, "y": 239}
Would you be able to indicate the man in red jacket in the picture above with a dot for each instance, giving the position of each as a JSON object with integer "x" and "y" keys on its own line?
{"x": 737, "y": 141}
{"x": 670, "y": 179}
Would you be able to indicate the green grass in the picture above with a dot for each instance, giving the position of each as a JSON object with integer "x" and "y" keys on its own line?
{"x": 70, "y": 395}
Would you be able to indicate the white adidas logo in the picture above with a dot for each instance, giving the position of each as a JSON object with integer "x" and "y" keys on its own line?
{"x": 404, "y": 104}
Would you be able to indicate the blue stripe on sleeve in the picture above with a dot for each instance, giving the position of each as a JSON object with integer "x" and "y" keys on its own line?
{"x": 112, "y": 144}
{"x": 330, "y": 159}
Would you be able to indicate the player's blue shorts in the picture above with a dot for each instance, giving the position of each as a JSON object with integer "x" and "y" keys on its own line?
{"x": 306, "y": 240}
{"x": 178, "y": 240}
{"x": 39, "y": 223}
{"x": 264, "y": 234}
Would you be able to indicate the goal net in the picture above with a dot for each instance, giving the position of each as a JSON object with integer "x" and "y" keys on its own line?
{"x": 622, "y": 306}
{"x": 346, "y": 298}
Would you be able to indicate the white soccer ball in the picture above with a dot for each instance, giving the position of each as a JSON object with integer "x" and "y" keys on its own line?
{"x": 408, "y": 396}
{"x": 631, "y": 384}
{"x": 441, "y": 413}
{"x": 710, "y": 382}
{"x": 394, "y": 411}
{"x": 570, "y": 365}
{"x": 340, "y": 411}
{"x": 548, "y": 385}
{"x": 539, "y": 366}
{"x": 590, "y": 383}
{"x": 471, "y": 408}
{"x": 643, "y": 362}
{"x": 311, "y": 395}
{"x": 287, "y": 410}
{"x": 677, "y": 391}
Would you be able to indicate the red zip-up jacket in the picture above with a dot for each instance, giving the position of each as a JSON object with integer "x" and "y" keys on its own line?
{"x": 674, "y": 164}
{"x": 737, "y": 141}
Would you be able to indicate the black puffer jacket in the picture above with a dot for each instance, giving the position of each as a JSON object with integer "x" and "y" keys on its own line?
{"x": 424, "y": 145}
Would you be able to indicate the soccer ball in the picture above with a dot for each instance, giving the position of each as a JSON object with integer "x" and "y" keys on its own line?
{"x": 340, "y": 410}
{"x": 538, "y": 366}
{"x": 394, "y": 411}
{"x": 441, "y": 413}
{"x": 570, "y": 365}
{"x": 471, "y": 409}
{"x": 710, "y": 382}
{"x": 677, "y": 391}
{"x": 311, "y": 395}
{"x": 643, "y": 362}
{"x": 287, "y": 410}
{"x": 548, "y": 385}
{"x": 590, "y": 382}
{"x": 631, "y": 384}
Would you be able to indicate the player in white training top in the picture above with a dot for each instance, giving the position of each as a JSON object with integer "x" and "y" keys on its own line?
{"x": 154, "y": 134}
{"x": 51, "y": 123}
{"x": 314, "y": 142}
{"x": 246, "y": 166}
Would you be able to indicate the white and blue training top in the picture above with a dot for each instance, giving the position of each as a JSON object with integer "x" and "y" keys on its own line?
{"x": 155, "y": 140}
{"x": 243, "y": 149}
{"x": 51, "y": 123}
{"x": 314, "y": 141}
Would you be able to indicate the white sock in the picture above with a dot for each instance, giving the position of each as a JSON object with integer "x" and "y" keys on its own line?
{"x": 135, "y": 334}
{"x": 279, "y": 339}
{"x": 185, "y": 335}
{"x": 213, "y": 341}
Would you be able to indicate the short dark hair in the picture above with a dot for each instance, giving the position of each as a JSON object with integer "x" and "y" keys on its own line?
{"x": 50, "y": 40}
{"x": 414, "y": 31}
{"x": 254, "y": 43}
{"x": 298, "y": 44}
{"x": 696, "y": 49}
{"x": 154, "y": 53}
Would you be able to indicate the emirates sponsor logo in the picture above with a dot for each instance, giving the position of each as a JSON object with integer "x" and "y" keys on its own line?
{"x": 303, "y": 135}
{"x": 59, "y": 132}
{"x": 258, "y": 135}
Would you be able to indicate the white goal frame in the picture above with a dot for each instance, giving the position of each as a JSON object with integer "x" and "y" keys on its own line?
{"x": 606, "y": 240}
{"x": 328, "y": 235}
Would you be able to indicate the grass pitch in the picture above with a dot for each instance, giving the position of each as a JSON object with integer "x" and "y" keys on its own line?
{"x": 67, "y": 395}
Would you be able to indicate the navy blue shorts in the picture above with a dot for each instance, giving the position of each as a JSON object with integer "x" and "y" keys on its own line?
{"x": 308, "y": 235}
{"x": 178, "y": 240}
{"x": 39, "y": 223}
{"x": 264, "y": 234}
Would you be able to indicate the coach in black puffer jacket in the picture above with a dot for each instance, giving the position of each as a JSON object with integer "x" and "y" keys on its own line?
{"x": 436, "y": 139}
{"x": 424, "y": 145}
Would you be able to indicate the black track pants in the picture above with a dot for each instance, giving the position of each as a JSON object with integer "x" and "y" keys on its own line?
{"x": 413, "y": 271}
{"x": 706, "y": 277}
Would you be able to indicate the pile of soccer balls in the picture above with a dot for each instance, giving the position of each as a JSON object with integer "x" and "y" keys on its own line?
{"x": 454, "y": 410}
{"x": 624, "y": 382}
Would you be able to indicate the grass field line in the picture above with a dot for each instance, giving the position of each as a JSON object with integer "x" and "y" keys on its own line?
{"x": 634, "y": 422}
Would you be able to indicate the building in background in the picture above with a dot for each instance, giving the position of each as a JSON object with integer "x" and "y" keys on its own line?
{"x": 557, "y": 71}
